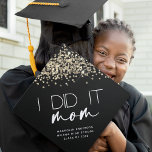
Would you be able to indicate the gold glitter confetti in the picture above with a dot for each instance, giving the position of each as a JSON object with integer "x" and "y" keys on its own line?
{"x": 67, "y": 65}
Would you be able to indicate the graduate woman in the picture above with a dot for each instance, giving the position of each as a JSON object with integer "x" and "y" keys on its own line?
{"x": 131, "y": 129}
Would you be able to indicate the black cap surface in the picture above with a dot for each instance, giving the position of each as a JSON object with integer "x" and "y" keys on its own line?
{"x": 71, "y": 12}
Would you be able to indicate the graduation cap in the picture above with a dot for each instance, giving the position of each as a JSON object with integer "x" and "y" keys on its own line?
{"x": 70, "y": 12}
{"x": 71, "y": 102}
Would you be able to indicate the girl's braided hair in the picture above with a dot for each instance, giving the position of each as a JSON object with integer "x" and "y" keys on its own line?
{"x": 114, "y": 24}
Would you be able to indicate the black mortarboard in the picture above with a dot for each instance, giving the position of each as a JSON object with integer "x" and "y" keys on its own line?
{"x": 71, "y": 102}
{"x": 71, "y": 12}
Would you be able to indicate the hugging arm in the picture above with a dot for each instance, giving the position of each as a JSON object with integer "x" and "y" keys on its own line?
{"x": 139, "y": 135}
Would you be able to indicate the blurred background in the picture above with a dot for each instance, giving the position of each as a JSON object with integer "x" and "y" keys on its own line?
{"x": 137, "y": 13}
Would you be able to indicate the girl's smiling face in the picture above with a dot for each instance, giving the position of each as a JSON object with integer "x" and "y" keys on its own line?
{"x": 112, "y": 54}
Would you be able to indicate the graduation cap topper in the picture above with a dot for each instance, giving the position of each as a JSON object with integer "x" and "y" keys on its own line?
{"x": 71, "y": 101}
{"x": 70, "y": 12}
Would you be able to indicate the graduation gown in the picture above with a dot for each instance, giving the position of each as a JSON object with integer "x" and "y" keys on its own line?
{"x": 133, "y": 119}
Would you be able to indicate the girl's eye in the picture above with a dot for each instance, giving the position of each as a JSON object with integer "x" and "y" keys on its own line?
{"x": 103, "y": 53}
{"x": 122, "y": 60}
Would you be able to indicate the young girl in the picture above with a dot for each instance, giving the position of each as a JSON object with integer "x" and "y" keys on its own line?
{"x": 131, "y": 129}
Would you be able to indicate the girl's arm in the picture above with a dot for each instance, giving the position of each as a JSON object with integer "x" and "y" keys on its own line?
{"x": 115, "y": 138}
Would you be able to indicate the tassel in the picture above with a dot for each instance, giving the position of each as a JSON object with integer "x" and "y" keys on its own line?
{"x": 31, "y": 48}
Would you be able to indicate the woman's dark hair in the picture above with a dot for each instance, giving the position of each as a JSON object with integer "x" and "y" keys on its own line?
{"x": 115, "y": 24}
{"x": 55, "y": 34}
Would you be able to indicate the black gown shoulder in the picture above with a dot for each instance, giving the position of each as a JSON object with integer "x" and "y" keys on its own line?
{"x": 15, "y": 82}
{"x": 15, "y": 134}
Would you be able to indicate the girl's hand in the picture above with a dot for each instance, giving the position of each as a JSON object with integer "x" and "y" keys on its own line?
{"x": 100, "y": 145}
{"x": 116, "y": 140}
{"x": 110, "y": 130}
